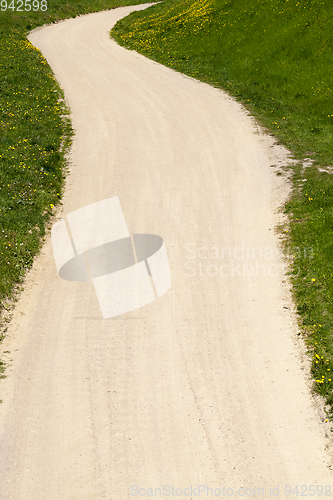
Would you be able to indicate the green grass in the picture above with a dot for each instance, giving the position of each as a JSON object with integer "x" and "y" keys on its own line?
{"x": 275, "y": 57}
{"x": 35, "y": 134}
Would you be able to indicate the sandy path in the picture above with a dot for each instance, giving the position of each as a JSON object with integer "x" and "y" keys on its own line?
{"x": 202, "y": 387}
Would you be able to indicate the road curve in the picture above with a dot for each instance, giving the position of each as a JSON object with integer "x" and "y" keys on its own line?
{"x": 204, "y": 386}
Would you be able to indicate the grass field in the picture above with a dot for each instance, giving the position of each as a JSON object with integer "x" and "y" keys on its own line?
{"x": 275, "y": 57}
{"x": 35, "y": 134}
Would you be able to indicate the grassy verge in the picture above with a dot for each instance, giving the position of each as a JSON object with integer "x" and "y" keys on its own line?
{"x": 274, "y": 56}
{"x": 35, "y": 134}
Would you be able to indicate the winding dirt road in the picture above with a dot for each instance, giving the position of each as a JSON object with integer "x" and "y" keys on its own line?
{"x": 204, "y": 386}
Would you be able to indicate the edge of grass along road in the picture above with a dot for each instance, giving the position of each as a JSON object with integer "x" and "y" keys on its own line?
{"x": 35, "y": 136}
{"x": 275, "y": 57}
